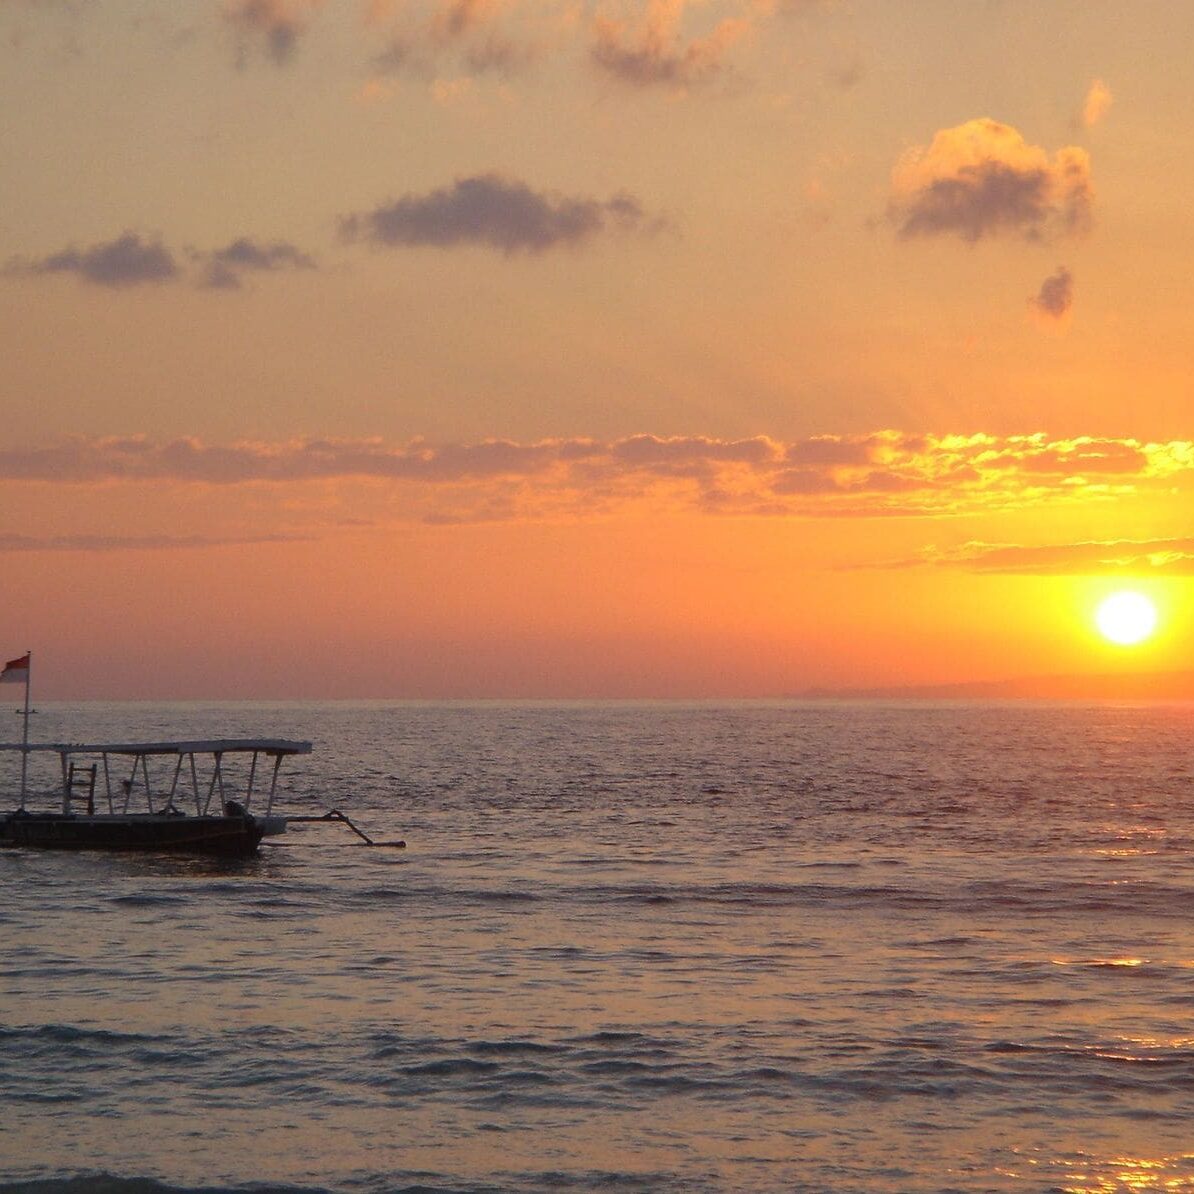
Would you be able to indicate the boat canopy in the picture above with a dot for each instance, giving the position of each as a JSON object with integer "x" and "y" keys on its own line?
{"x": 265, "y": 746}
{"x": 78, "y": 775}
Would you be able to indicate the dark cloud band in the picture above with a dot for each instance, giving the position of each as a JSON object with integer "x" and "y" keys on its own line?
{"x": 879, "y": 474}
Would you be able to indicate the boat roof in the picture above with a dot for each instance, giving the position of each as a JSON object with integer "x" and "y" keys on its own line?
{"x": 269, "y": 746}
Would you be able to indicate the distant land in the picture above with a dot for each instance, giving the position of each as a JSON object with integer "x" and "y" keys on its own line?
{"x": 1114, "y": 686}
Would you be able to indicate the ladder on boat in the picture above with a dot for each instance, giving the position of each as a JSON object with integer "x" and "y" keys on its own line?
{"x": 80, "y": 776}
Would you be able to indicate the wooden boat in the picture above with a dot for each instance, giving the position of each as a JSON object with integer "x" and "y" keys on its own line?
{"x": 232, "y": 829}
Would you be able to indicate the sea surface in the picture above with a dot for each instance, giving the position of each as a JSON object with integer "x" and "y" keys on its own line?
{"x": 673, "y": 947}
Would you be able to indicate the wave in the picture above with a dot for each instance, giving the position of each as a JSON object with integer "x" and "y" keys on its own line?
{"x": 106, "y": 1183}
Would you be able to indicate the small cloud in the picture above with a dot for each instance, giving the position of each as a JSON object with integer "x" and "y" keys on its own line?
{"x": 126, "y": 261}
{"x": 275, "y": 24}
{"x": 983, "y": 179}
{"x": 497, "y": 212}
{"x": 1095, "y": 106}
{"x": 397, "y": 57}
{"x": 130, "y": 260}
{"x": 499, "y": 56}
{"x": 648, "y": 52}
{"x": 1055, "y": 298}
{"x": 456, "y": 18}
{"x": 223, "y": 267}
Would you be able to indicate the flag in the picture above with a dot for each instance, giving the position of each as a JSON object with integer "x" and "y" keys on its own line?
{"x": 16, "y": 671}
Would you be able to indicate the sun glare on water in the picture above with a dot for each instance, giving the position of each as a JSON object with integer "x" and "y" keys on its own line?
{"x": 1126, "y": 618}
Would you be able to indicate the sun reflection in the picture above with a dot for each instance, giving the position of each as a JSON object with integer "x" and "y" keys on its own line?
{"x": 1159, "y": 1042}
{"x": 1110, "y": 962}
{"x": 1079, "y": 1173}
{"x": 1131, "y": 1173}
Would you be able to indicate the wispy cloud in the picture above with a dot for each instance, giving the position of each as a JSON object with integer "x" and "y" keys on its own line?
{"x": 1140, "y": 556}
{"x": 274, "y": 26}
{"x": 132, "y": 260}
{"x": 882, "y": 474}
{"x": 222, "y": 268}
{"x": 496, "y": 212}
{"x": 501, "y": 37}
{"x": 673, "y": 45}
{"x": 647, "y": 49}
{"x": 106, "y": 543}
{"x": 1097, "y": 103}
{"x": 982, "y": 179}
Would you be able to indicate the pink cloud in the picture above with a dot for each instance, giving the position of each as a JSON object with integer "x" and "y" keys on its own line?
{"x": 982, "y": 179}
{"x": 648, "y": 50}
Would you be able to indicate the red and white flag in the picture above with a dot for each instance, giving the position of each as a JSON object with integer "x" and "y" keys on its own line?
{"x": 16, "y": 671}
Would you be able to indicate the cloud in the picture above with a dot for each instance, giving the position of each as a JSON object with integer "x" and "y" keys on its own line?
{"x": 276, "y": 25}
{"x": 222, "y": 268}
{"x": 878, "y": 474}
{"x": 459, "y": 17}
{"x": 1095, "y": 106}
{"x": 130, "y": 260}
{"x": 1055, "y": 298}
{"x": 646, "y": 450}
{"x": 480, "y": 37}
{"x": 673, "y": 45}
{"x": 648, "y": 51}
{"x": 496, "y": 212}
{"x": 644, "y": 44}
{"x": 830, "y": 450}
{"x": 105, "y": 543}
{"x": 1092, "y": 558}
{"x": 126, "y": 261}
{"x": 1080, "y": 457}
{"x": 499, "y": 55}
{"x": 982, "y": 179}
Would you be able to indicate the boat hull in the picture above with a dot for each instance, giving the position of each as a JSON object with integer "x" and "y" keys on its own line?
{"x": 229, "y": 837}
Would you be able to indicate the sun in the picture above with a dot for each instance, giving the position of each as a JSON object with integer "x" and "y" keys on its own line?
{"x": 1126, "y": 618}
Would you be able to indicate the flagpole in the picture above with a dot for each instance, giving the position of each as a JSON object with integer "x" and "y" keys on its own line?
{"x": 25, "y": 736}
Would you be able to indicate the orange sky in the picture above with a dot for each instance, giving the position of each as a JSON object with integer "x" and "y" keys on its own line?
{"x": 523, "y": 348}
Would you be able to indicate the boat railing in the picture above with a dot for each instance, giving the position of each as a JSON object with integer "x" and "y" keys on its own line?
{"x": 186, "y": 772}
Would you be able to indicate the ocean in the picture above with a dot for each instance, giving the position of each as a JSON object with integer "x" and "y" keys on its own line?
{"x": 648, "y": 946}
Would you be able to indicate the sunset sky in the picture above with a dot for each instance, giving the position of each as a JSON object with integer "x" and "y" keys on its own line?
{"x": 462, "y": 348}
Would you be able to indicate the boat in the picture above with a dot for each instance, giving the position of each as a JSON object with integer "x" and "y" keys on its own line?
{"x": 232, "y": 828}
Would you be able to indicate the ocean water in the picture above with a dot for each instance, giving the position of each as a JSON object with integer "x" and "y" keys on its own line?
{"x": 765, "y": 946}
